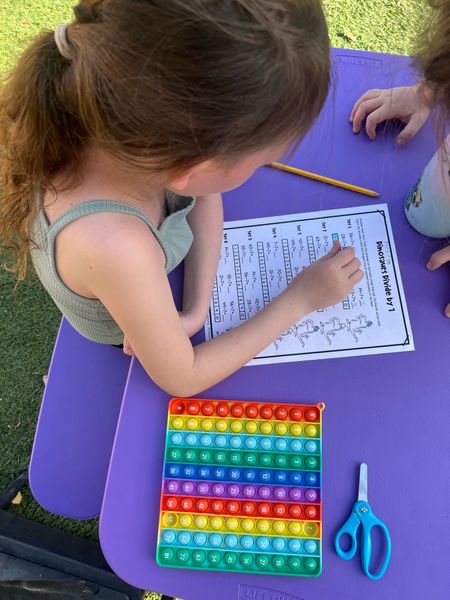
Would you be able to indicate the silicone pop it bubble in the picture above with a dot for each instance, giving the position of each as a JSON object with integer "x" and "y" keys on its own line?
{"x": 241, "y": 488}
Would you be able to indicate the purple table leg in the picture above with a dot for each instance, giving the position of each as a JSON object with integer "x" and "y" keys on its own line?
{"x": 77, "y": 423}
{"x": 391, "y": 411}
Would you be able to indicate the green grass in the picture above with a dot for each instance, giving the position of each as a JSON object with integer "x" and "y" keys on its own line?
{"x": 28, "y": 318}
{"x": 22, "y": 19}
{"x": 377, "y": 25}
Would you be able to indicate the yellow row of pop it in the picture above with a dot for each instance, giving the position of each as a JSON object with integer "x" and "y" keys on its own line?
{"x": 309, "y": 529}
{"x": 248, "y": 426}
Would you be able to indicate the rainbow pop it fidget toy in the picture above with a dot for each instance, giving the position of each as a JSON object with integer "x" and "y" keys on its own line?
{"x": 241, "y": 487}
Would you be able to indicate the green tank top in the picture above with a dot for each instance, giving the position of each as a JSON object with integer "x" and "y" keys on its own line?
{"x": 89, "y": 316}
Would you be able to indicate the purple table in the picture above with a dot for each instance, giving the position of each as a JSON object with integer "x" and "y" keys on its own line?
{"x": 77, "y": 423}
{"x": 391, "y": 411}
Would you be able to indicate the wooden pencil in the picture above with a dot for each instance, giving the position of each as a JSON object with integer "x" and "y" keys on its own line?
{"x": 323, "y": 179}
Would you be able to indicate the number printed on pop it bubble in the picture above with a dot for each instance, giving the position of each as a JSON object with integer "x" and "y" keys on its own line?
{"x": 241, "y": 488}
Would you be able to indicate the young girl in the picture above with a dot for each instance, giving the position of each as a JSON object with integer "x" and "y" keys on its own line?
{"x": 118, "y": 133}
{"x": 412, "y": 104}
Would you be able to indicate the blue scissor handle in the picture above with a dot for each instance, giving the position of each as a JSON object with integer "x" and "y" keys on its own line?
{"x": 362, "y": 515}
{"x": 350, "y": 527}
{"x": 368, "y": 521}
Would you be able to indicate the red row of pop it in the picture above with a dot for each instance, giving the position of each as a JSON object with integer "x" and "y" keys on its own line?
{"x": 252, "y": 410}
{"x": 246, "y": 508}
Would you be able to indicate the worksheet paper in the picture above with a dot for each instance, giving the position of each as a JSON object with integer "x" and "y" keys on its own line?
{"x": 259, "y": 258}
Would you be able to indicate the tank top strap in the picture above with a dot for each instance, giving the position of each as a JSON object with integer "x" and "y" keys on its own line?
{"x": 96, "y": 206}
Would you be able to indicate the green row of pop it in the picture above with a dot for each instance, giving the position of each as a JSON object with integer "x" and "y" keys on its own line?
{"x": 245, "y": 562}
{"x": 235, "y": 458}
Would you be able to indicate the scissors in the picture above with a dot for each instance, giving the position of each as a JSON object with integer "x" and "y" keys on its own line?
{"x": 362, "y": 515}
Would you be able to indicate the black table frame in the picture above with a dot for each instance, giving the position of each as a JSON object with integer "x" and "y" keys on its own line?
{"x": 43, "y": 545}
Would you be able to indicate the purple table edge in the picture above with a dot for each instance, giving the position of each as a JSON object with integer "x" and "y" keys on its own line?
{"x": 77, "y": 423}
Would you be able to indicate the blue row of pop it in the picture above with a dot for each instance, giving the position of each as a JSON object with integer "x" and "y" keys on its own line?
{"x": 310, "y": 479}
{"x": 248, "y": 442}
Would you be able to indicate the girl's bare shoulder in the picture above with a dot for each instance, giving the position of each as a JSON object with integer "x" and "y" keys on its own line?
{"x": 94, "y": 237}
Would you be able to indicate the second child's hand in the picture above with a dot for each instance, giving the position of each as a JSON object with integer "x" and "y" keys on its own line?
{"x": 437, "y": 259}
{"x": 409, "y": 104}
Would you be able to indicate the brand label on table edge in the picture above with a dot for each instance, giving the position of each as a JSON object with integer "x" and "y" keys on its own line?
{"x": 359, "y": 61}
{"x": 250, "y": 592}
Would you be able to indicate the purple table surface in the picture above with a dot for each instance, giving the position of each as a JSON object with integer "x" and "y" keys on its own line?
{"x": 391, "y": 411}
{"x": 76, "y": 426}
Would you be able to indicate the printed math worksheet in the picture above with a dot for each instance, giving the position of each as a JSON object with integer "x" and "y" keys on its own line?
{"x": 260, "y": 257}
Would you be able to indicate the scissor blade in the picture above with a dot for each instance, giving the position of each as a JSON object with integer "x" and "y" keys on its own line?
{"x": 362, "y": 490}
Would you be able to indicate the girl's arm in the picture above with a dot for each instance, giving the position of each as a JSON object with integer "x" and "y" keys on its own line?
{"x": 126, "y": 272}
{"x": 200, "y": 264}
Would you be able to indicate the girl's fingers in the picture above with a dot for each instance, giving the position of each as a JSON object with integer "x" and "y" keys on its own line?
{"x": 344, "y": 257}
{"x": 335, "y": 249}
{"x": 369, "y": 95}
{"x": 439, "y": 258}
{"x": 376, "y": 117}
{"x": 353, "y": 266}
{"x": 412, "y": 127}
{"x": 356, "y": 277}
{"x": 447, "y": 310}
{"x": 365, "y": 108}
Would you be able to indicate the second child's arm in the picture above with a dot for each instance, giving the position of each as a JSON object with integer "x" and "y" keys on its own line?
{"x": 128, "y": 276}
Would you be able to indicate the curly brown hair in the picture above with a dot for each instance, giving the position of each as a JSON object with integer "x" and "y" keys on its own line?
{"x": 160, "y": 83}
{"x": 433, "y": 56}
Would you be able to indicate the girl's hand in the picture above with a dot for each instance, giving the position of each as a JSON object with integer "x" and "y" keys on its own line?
{"x": 405, "y": 103}
{"x": 436, "y": 260}
{"x": 327, "y": 281}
